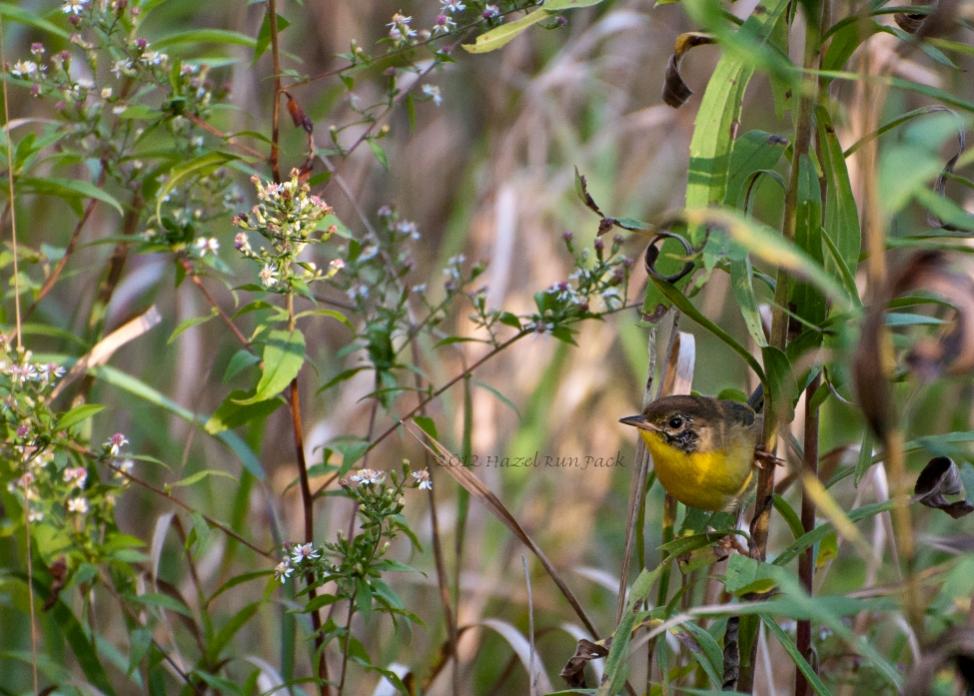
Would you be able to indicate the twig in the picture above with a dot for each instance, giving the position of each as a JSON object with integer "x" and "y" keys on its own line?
{"x": 806, "y": 566}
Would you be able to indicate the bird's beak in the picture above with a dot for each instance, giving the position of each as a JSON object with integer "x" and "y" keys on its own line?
{"x": 639, "y": 421}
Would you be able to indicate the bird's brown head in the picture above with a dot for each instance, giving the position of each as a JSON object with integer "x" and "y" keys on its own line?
{"x": 685, "y": 422}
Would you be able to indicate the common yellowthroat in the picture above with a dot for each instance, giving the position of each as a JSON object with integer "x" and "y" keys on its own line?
{"x": 703, "y": 448}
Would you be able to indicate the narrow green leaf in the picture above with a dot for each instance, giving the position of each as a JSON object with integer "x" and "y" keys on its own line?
{"x": 161, "y": 601}
{"x": 31, "y": 18}
{"x": 800, "y": 662}
{"x": 505, "y": 33}
{"x": 77, "y": 415}
{"x": 209, "y": 36}
{"x": 188, "y": 324}
{"x": 200, "y": 475}
{"x": 67, "y": 188}
{"x": 556, "y": 5}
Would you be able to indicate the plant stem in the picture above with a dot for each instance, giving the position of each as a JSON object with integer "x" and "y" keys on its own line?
{"x": 806, "y": 566}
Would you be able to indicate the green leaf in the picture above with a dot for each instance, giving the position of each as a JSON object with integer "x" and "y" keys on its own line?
{"x": 140, "y": 389}
{"x": 617, "y": 661}
{"x": 31, "y": 18}
{"x": 505, "y": 33}
{"x": 808, "y": 302}
{"x": 161, "y": 601}
{"x": 67, "y": 188}
{"x": 556, "y": 5}
{"x": 264, "y": 35}
{"x": 283, "y": 357}
{"x": 755, "y": 151}
{"x": 380, "y": 154}
{"x": 428, "y": 425}
{"x": 200, "y": 475}
{"x": 232, "y": 414}
{"x": 769, "y": 246}
{"x": 241, "y": 360}
{"x": 77, "y": 415}
{"x": 188, "y": 324}
{"x": 746, "y": 575}
{"x": 800, "y": 662}
{"x": 210, "y": 36}
{"x": 198, "y": 166}
{"x": 330, "y": 313}
{"x": 742, "y": 286}
{"x": 678, "y": 300}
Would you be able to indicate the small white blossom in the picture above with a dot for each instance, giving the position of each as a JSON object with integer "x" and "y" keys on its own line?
{"x": 304, "y": 552}
{"x": 283, "y": 571}
{"x": 207, "y": 245}
{"x": 74, "y": 7}
{"x": 35, "y": 515}
{"x": 444, "y": 24}
{"x": 452, "y": 6}
{"x": 76, "y": 475}
{"x": 106, "y": 92}
{"x": 115, "y": 443}
{"x": 423, "y": 480}
{"x": 78, "y": 505}
{"x": 267, "y": 275}
{"x": 491, "y": 12}
{"x": 23, "y": 68}
{"x": 433, "y": 92}
{"x": 367, "y": 477}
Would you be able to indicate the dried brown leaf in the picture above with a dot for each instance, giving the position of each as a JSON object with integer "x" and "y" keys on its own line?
{"x": 941, "y": 478}
{"x": 675, "y": 90}
{"x": 585, "y": 651}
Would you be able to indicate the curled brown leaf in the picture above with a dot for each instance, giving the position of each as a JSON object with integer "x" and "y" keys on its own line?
{"x": 675, "y": 90}
{"x": 941, "y": 478}
{"x": 585, "y": 651}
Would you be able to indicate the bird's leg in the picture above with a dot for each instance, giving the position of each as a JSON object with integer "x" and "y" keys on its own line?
{"x": 763, "y": 459}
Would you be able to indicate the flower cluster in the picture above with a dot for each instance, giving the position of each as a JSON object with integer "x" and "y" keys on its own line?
{"x": 289, "y": 218}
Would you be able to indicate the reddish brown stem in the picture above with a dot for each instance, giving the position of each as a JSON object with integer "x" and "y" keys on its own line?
{"x": 806, "y": 566}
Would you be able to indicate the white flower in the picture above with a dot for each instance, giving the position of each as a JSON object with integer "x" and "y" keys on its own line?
{"x": 115, "y": 443}
{"x": 491, "y": 12}
{"x": 304, "y": 552}
{"x": 367, "y": 477}
{"x": 23, "y": 68}
{"x": 452, "y": 6}
{"x": 78, "y": 505}
{"x": 121, "y": 67}
{"x": 267, "y": 275}
{"x": 444, "y": 24}
{"x": 74, "y": 7}
{"x": 283, "y": 571}
{"x": 35, "y": 516}
{"x": 76, "y": 475}
{"x": 423, "y": 480}
{"x": 433, "y": 92}
{"x": 207, "y": 245}
{"x": 106, "y": 92}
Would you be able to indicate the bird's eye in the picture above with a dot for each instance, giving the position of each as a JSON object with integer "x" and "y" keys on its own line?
{"x": 675, "y": 422}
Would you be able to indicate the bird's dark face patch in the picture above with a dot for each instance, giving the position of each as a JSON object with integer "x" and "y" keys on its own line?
{"x": 677, "y": 429}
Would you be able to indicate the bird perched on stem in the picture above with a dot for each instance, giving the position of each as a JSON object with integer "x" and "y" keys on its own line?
{"x": 704, "y": 450}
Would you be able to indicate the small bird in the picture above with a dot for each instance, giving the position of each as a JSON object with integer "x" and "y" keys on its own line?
{"x": 704, "y": 449}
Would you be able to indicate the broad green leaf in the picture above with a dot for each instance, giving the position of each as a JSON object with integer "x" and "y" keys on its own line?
{"x": 752, "y": 152}
{"x": 67, "y": 188}
{"x": 282, "y": 359}
{"x": 77, "y": 415}
{"x": 745, "y": 575}
{"x": 505, "y": 33}
{"x": 232, "y": 414}
{"x": 241, "y": 360}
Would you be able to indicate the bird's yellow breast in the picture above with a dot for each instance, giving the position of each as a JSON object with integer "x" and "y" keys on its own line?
{"x": 709, "y": 480}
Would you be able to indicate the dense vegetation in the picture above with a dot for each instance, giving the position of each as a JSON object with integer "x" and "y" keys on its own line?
{"x": 318, "y": 321}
